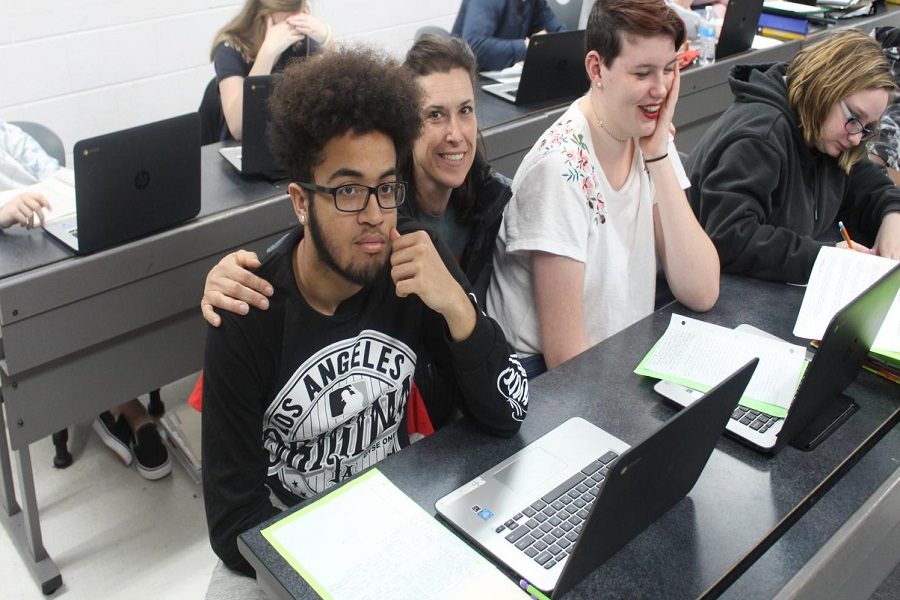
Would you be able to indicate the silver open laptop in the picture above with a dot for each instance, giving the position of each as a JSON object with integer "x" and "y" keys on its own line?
{"x": 558, "y": 508}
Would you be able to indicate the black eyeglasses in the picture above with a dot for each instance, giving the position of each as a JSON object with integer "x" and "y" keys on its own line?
{"x": 853, "y": 126}
{"x": 353, "y": 197}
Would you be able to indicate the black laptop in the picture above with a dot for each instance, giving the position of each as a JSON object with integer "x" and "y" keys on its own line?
{"x": 739, "y": 27}
{"x": 553, "y": 70}
{"x": 131, "y": 183}
{"x": 557, "y": 509}
{"x": 253, "y": 156}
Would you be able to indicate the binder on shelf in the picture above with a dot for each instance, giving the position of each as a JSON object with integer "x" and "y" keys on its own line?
{"x": 796, "y": 25}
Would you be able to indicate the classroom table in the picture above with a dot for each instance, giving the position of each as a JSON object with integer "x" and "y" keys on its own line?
{"x": 83, "y": 334}
{"x": 743, "y": 503}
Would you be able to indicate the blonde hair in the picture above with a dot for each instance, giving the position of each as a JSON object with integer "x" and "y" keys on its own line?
{"x": 840, "y": 65}
{"x": 247, "y": 30}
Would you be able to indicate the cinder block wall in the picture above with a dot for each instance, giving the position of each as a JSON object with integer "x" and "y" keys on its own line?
{"x": 86, "y": 67}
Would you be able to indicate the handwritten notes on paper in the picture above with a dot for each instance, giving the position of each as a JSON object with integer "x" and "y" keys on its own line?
{"x": 700, "y": 355}
{"x": 839, "y": 276}
{"x": 369, "y": 540}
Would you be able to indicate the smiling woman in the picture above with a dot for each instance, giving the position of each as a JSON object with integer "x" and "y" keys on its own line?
{"x": 599, "y": 197}
{"x": 775, "y": 172}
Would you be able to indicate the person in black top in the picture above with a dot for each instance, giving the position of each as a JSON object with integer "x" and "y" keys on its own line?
{"x": 770, "y": 178}
{"x": 263, "y": 38}
{"x": 315, "y": 389}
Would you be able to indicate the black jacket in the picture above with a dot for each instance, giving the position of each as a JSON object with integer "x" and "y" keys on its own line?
{"x": 491, "y": 195}
{"x": 767, "y": 199}
{"x": 298, "y": 401}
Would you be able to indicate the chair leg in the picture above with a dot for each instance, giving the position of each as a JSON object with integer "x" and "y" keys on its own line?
{"x": 63, "y": 457}
{"x": 156, "y": 407}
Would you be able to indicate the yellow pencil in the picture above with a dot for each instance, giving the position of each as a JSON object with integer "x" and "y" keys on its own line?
{"x": 845, "y": 234}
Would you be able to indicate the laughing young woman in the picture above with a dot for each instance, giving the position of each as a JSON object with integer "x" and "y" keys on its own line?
{"x": 599, "y": 197}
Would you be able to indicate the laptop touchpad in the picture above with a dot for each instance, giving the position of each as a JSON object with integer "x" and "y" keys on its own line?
{"x": 530, "y": 471}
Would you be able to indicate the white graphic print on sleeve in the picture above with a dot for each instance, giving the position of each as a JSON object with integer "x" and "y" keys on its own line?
{"x": 339, "y": 412}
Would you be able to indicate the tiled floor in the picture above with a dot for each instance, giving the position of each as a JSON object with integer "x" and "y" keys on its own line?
{"x": 112, "y": 533}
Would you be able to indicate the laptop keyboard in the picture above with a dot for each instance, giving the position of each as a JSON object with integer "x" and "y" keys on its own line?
{"x": 547, "y": 529}
{"x": 754, "y": 419}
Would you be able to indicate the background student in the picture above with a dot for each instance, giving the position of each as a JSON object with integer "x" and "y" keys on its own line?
{"x": 772, "y": 175}
{"x": 885, "y": 149}
{"x": 499, "y": 30}
{"x": 599, "y": 197}
{"x": 23, "y": 162}
{"x": 262, "y": 39}
{"x": 131, "y": 434}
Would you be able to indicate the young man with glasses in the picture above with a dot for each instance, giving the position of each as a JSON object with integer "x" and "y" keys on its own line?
{"x": 779, "y": 167}
{"x": 314, "y": 389}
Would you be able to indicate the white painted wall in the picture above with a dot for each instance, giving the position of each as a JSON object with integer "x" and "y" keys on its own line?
{"x": 87, "y": 67}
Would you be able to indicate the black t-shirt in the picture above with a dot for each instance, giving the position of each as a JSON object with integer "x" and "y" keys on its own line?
{"x": 298, "y": 400}
{"x": 229, "y": 61}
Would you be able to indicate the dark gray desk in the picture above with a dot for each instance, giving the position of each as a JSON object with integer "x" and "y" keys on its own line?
{"x": 510, "y": 131}
{"x": 742, "y": 503}
{"x": 82, "y": 334}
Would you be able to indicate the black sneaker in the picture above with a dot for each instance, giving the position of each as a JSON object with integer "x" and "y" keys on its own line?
{"x": 116, "y": 434}
{"x": 151, "y": 454}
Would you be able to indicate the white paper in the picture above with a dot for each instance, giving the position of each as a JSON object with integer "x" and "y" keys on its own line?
{"x": 704, "y": 353}
{"x": 761, "y": 42}
{"x": 372, "y": 541}
{"x": 838, "y": 276}
{"x": 791, "y": 7}
{"x": 58, "y": 189}
{"x": 508, "y": 75}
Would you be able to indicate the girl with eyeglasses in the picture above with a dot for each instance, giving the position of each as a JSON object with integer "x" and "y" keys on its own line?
{"x": 774, "y": 173}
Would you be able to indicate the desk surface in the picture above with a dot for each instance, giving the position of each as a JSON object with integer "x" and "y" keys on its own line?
{"x": 735, "y": 507}
{"x": 221, "y": 188}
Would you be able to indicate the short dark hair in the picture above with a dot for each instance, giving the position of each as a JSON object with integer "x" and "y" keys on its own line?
{"x": 610, "y": 19}
{"x": 354, "y": 89}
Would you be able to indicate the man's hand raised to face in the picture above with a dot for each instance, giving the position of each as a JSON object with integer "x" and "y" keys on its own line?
{"x": 417, "y": 268}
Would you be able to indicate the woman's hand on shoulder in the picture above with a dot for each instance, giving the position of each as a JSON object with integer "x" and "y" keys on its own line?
{"x": 231, "y": 286}
{"x": 657, "y": 143}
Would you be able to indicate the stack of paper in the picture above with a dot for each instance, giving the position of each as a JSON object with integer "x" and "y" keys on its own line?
{"x": 838, "y": 276}
{"x": 181, "y": 426}
{"x": 701, "y": 355}
{"x": 367, "y": 539}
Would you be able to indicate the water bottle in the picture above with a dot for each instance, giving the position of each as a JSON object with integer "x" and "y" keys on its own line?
{"x": 708, "y": 37}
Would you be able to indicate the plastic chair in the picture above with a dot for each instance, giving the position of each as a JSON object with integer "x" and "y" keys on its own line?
{"x": 46, "y": 137}
{"x": 432, "y": 29}
{"x": 212, "y": 119}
